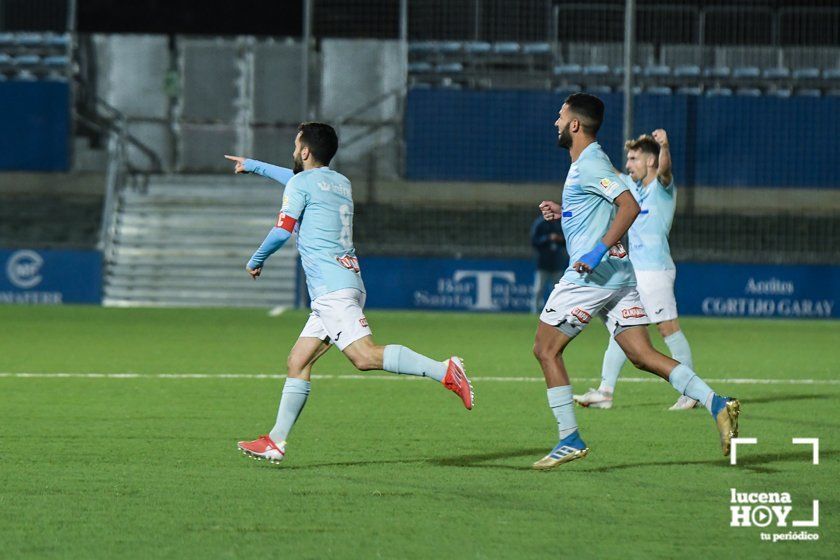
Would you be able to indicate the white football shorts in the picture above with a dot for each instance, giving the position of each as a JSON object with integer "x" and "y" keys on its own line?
{"x": 656, "y": 288}
{"x": 338, "y": 318}
{"x": 570, "y": 308}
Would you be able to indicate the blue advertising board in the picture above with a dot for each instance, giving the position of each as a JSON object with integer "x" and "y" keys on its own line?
{"x": 723, "y": 290}
{"x": 733, "y": 290}
{"x": 453, "y": 284}
{"x": 36, "y": 276}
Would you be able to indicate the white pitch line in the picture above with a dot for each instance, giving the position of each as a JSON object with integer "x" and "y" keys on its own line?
{"x": 478, "y": 378}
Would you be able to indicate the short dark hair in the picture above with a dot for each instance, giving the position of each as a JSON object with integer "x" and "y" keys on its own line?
{"x": 646, "y": 144}
{"x": 589, "y": 109}
{"x": 321, "y": 140}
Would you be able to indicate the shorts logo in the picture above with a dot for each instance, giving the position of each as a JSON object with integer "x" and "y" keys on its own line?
{"x": 363, "y": 322}
{"x": 634, "y": 312}
{"x": 618, "y": 251}
{"x": 581, "y": 315}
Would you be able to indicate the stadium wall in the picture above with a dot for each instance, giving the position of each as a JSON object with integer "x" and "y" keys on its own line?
{"x": 466, "y": 135}
{"x": 35, "y": 129}
{"x": 507, "y": 285}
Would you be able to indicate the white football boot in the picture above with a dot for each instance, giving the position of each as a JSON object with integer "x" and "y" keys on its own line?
{"x": 594, "y": 398}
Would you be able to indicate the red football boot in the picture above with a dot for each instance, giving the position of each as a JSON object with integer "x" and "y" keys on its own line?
{"x": 456, "y": 380}
{"x": 263, "y": 448}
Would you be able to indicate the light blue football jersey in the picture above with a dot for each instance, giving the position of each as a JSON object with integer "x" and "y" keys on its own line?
{"x": 588, "y": 209}
{"x": 648, "y": 236}
{"x": 321, "y": 200}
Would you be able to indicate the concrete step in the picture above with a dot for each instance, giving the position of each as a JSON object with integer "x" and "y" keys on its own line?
{"x": 211, "y": 297}
{"x": 185, "y": 240}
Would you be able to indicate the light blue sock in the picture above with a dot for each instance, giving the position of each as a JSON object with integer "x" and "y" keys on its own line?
{"x": 680, "y": 350}
{"x": 399, "y": 359}
{"x": 560, "y": 401}
{"x": 295, "y": 393}
{"x": 614, "y": 359}
{"x": 684, "y": 380}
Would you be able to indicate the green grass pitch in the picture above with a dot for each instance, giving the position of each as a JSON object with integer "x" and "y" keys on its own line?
{"x": 146, "y": 466}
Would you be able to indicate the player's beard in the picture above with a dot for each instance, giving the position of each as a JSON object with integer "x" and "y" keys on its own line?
{"x": 565, "y": 138}
{"x": 298, "y": 165}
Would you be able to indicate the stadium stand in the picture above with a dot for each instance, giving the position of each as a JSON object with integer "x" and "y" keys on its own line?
{"x": 484, "y": 65}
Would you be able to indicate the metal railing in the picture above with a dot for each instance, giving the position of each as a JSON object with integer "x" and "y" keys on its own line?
{"x": 119, "y": 172}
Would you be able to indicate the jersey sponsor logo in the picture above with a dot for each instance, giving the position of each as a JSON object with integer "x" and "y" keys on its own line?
{"x": 634, "y": 312}
{"x": 363, "y": 322}
{"x": 581, "y": 315}
{"x": 618, "y": 251}
{"x": 608, "y": 185}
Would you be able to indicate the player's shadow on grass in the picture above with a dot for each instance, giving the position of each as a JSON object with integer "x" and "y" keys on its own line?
{"x": 785, "y": 398}
{"x": 746, "y": 400}
{"x": 479, "y": 460}
{"x": 753, "y": 463}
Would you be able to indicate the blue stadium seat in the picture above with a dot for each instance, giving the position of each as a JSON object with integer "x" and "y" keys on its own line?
{"x": 619, "y": 70}
{"x": 659, "y": 90}
{"x": 536, "y": 48}
{"x": 690, "y": 90}
{"x": 507, "y": 47}
{"x": 806, "y": 73}
{"x": 718, "y": 92}
{"x": 599, "y": 89}
{"x": 808, "y": 92}
{"x": 746, "y": 72}
{"x": 7, "y": 40}
{"x": 6, "y": 62}
{"x": 717, "y": 72}
{"x": 449, "y": 68}
{"x": 55, "y": 61}
{"x": 25, "y": 76}
{"x": 30, "y": 39}
{"x": 58, "y": 41}
{"x": 449, "y": 84}
{"x": 449, "y": 47}
{"x": 422, "y": 47}
{"x": 780, "y": 72}
{"x": 413, "y": 67}
{"x": 421, "y": 85}
{"x": 567, "y": 69}
{"x": 55, "y": 77}
{"x": 833, "y": 92}
{"x": 657, "y": 71}
{"x": 748, "y": 92}
{"x": 596, "y": 70}
{"x": 687, "y": 71}
{"x": 477, "y": 47}
{"x": 832, "y": 74}
{"x": 568, "y": 88}
{"x": 781, "y": 92}
{"x": 27, "y": 60}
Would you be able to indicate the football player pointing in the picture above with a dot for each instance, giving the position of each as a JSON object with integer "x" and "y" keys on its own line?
{"x": 596, "y": 213}
{"x": 318, "y": 205}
